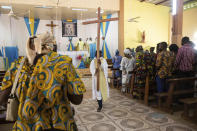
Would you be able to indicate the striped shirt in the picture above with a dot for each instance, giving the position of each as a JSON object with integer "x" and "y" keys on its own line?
{"x": 185, "y": 58}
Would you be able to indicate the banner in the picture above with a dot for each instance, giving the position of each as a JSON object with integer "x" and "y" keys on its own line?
{"x": 104, "y": 29}
{"x": 32, "y": 25}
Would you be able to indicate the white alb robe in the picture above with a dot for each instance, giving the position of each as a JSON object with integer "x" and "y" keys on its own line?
{"x": 104, "y": 67}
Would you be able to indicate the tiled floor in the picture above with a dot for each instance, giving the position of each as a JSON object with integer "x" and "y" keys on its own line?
{"x": 121, "y": 113}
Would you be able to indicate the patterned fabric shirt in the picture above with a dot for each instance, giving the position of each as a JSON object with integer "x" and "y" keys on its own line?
{"x": 43, "y": 94}
{"x": 164, "y": 64}
{"x": 185, "y": 58}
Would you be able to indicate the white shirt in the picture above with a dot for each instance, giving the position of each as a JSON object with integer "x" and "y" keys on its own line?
{"x": 127, "y": 64}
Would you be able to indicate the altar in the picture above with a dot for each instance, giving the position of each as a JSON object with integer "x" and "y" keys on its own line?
{"x": 77, "y": 56}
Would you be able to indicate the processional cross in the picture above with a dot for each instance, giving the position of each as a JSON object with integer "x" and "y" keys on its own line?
{"x": 51, "y": 25}
{"x": 99, "y": 21}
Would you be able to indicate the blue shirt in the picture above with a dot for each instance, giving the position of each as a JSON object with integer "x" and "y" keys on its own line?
{"x": 116, "y": 61}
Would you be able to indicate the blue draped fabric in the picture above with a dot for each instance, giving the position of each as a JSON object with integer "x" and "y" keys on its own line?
{"x": 1, "y": 53}
{"x": 11, "y": 53}
{"x": 104, "y": 30}
{"x": 92, "y": 48}
{"x": 32, "y": 25}
{"x": 70, "y": 46}
{"x": 81, "y": 65}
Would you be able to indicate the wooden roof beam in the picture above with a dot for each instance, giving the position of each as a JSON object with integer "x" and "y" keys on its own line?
{"x": 161, "y": 2}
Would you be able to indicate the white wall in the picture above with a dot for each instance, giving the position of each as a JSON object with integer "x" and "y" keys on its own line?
{"x": 14, "y": 33}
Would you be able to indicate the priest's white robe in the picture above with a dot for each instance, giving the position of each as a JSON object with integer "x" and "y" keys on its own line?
{"x": 104, "y": 67}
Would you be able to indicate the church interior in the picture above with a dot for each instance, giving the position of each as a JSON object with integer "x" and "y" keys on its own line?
{"x": 82, "y": 28}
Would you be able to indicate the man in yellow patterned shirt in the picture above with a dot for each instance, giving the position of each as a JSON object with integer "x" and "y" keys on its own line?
{"x": 45, "y": 90}
{"x": 164, "y": 65}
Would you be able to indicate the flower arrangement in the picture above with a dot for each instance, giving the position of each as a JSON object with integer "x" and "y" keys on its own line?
{"x": 79, "y": 57}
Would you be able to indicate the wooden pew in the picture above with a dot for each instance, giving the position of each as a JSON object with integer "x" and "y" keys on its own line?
{"x": 171, "y": 92}
{"x": 187, "y": 103}
{"x": 115, "y": 79}
{"x": 149, "y": 86}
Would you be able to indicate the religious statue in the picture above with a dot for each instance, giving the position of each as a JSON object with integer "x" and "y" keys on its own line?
{"x": 86, "y": 45}
{"x": 142, "y": 36}
{"x": 92, "y": 47}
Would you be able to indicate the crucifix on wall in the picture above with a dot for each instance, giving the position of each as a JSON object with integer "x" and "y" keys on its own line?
{"x": 99, "y": 21}
{"x": 51, "y": 25}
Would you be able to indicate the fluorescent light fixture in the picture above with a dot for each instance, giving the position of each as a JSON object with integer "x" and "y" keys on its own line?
{"x": 6, "y": 7}
{"x": 195, "y": 35}
{"x": 102, "y": 11}
{"x": 79, "y": 9}
{"x": 174, "y": 7}
{"x": 195, "y": 45}
{"x": 44, "y": 7}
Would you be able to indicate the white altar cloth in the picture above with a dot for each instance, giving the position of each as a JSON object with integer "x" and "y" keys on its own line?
{"x": 73, "y": 55}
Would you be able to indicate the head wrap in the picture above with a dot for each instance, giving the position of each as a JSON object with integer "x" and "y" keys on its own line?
{"x": 45, "y": 40}
{"x": 43, "y": 44}
{"x": 117, "y": 52}
{"x": 127, "y": 51}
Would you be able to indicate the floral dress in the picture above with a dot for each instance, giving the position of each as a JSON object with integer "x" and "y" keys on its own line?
{"x": 42, "y": 92}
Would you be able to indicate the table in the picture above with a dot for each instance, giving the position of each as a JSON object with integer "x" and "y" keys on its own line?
{"x": 73, "y": 55}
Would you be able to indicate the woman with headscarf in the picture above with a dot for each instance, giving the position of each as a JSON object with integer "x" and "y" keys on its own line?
{"x": 140, "y": 75}
{"x": 116, "y": 60}
{"x": 47, "y": 84}
{"x": 127, "y": 66}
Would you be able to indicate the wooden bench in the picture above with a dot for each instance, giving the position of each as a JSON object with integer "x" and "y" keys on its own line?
{"x": 171, "y": 92}
{"x": 117, "y": 80}
{"x": 175, "y": 93}
{"x": 149, "y": 86}
{"x": 187, "y": 103}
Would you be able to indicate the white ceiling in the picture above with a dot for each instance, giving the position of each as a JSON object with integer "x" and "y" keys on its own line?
{"x": 61, "y": 9}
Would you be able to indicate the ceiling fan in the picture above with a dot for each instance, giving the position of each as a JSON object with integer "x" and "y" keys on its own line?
{"x": 11, "y": 14}
{"x": 134, "y": 19}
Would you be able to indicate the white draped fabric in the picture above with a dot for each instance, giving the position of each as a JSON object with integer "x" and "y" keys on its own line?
{"x": 2, "y": 67}
{"x": 73, "y": 55}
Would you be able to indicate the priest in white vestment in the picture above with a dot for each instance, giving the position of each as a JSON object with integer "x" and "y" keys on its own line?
{"x": 103, "y": 92}
{"x": 80, "y": 45}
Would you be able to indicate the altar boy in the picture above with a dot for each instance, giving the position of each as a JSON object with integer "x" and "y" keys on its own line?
{"x": 103, "y": 93}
